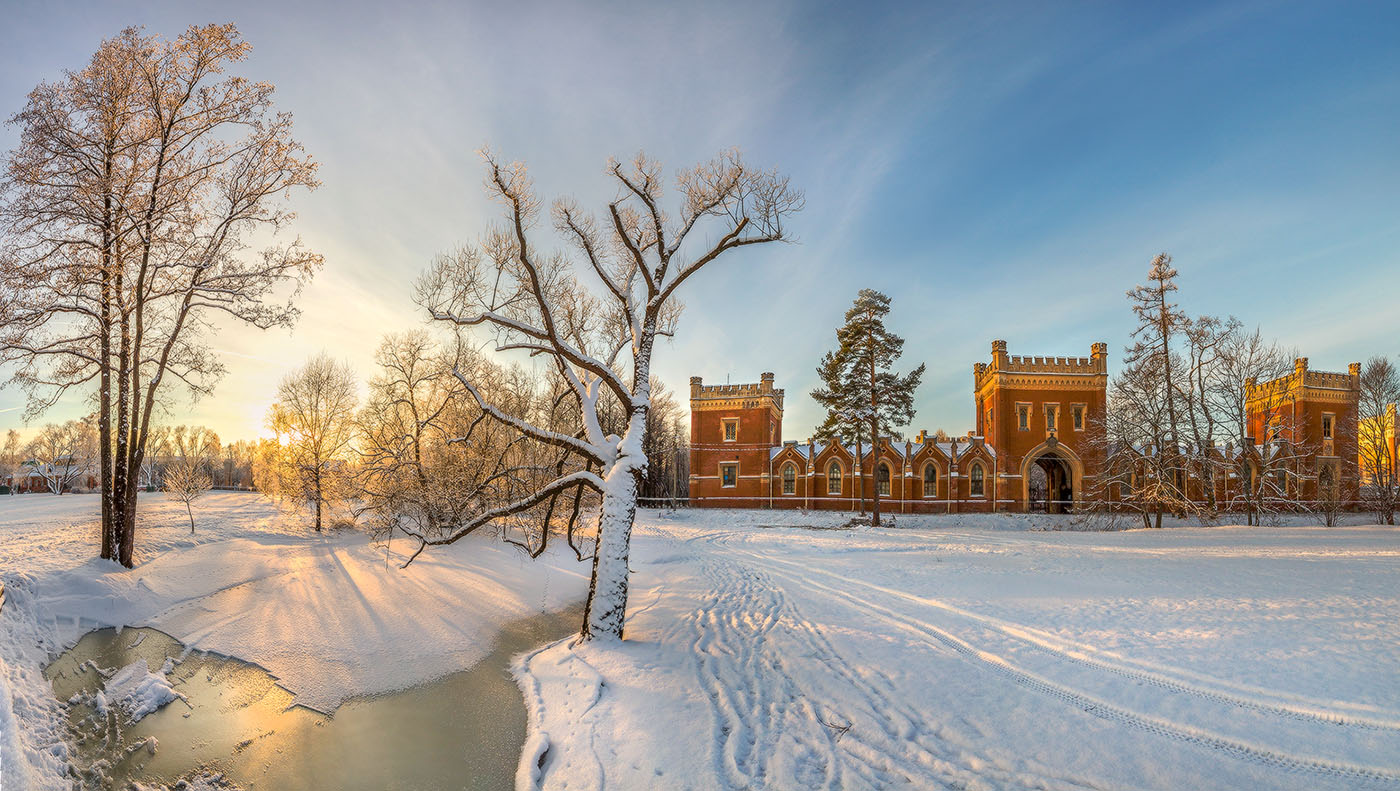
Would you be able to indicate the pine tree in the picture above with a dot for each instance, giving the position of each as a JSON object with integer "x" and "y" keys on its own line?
{"x": 862, "y": 394}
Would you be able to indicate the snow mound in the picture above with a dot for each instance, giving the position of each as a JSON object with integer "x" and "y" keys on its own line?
{"x": 137, "y": 691}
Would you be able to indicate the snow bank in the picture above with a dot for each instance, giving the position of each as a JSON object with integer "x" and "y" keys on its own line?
{"x": 330, "y": 616}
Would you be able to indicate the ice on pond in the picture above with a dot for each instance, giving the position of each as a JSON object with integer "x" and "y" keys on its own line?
{"x": 203, "y": 714}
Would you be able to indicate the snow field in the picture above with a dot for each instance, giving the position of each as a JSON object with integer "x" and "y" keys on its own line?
{"x": 952, "y": 656}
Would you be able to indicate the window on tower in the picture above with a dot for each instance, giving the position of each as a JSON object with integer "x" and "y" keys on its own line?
{"x": 731, "y": 429}
{"x": 1023, "y": 416}
{"x": 729, "y": 475}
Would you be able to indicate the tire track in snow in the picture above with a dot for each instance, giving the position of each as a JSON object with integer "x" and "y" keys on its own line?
{"x": 1109, "y": 711}
{"x": 746, "y": 636}
{"x": 1060, "y": 649}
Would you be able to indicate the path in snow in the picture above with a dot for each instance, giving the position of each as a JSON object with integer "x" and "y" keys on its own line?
{"x": 1204, "y": 658}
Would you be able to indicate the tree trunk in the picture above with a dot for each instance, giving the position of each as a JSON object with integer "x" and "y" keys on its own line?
{"x": 859, "y": 480}
{"x": 875, "y": 472}
{"x": 189, "y": 511}
{"x": 607, "y": 589}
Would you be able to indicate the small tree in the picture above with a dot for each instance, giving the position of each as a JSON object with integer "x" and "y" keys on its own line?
{"x": 11, "y": 454}
{"x": 866, "y": 392}
{"x": 314, "y": 420}
{"x": 187, "y": 481}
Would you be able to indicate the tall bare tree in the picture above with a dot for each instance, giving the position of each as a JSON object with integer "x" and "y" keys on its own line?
{"x": 601, "y": 345}
{"x": 1246, "y": 359}
{"x": 129, "y": 210}
{"x": 1376, "y": 437}
{"x": 314, "y": 420}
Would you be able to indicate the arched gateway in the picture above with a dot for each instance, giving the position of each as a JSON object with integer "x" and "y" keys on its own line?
{"x": 1052, "y": 477}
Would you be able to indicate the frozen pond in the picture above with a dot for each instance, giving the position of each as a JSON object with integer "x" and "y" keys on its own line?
{"x": 463, "y": 731}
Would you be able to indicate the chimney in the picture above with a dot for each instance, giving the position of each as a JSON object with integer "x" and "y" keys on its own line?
{"x": 695, "y": 384}
{"x": 765, "y": 381}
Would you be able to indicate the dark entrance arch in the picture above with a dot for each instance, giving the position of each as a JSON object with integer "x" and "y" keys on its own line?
{"x": 1051, "y": 487}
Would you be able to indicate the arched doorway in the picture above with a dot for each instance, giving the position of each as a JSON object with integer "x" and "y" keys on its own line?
{"x": 1051, "y": 485}
{"x": 1051, "y": 477}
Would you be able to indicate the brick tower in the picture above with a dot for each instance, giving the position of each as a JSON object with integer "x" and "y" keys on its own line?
{"x": 1309, "y": 419}
{"x": 1035, "y": 412}
{"x": 733, "y": 431}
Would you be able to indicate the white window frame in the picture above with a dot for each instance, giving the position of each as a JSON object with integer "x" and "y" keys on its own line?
{"x": 789, "y": 484}
{"x": 973, "y": 480}
{"x": 888, "y": 482}
{"x": 927, "y": 467}
{"x": 840, "y": 475}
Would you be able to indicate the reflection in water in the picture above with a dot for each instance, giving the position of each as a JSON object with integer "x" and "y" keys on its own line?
{"x": 464, "y": 730}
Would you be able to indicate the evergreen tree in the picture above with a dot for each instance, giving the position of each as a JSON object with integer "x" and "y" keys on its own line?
{"x": 861, "y": 393}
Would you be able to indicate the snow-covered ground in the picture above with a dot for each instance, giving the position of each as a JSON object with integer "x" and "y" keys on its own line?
{"x": 945, "y": 652}
{"x": 331, "y": 616}
{"x": 963, "y": 652}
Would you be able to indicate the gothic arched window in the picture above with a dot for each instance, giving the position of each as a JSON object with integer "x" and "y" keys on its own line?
{"x": 977, "y": 487}
{"x": 882, "y": 478}
{"x": 789, "y": 478}
{"x": 930, "y": 480}
{"x": 833, "y": 478}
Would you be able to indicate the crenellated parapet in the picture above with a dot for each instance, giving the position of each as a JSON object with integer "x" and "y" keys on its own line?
{"x": 1093, "y": 367}
{"x": 1306, "y": 384}
{"x": 752, "y": 395}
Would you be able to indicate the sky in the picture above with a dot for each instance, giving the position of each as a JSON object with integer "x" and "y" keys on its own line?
{"x": 1002, "y": 171}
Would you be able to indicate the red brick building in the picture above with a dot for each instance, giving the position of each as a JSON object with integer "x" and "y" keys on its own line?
{"x": 1030, "y": 450}
{"x": 1031, "y": 415}
{"x": 1308, "y": 419}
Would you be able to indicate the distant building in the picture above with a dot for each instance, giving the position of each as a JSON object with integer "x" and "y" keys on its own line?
{"x": 1030, "y": 450}
{"x": 1312, "y": 417}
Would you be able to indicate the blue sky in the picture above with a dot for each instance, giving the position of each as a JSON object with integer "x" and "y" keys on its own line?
{"x": 1002, "y": 171}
